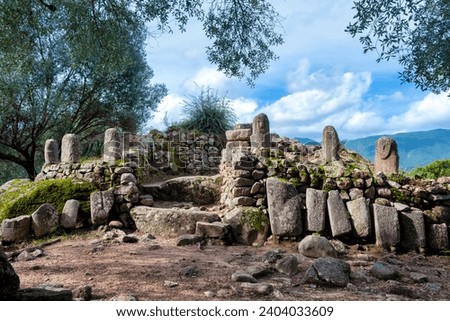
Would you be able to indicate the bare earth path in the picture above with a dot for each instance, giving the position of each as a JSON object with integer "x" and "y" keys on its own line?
{"x": 159, "y": 270}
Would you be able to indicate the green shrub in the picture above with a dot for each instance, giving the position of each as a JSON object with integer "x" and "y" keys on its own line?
{"x": 23, "y": 198}
{"x": 208, "y": 113}
{"x": 433, "y": 170}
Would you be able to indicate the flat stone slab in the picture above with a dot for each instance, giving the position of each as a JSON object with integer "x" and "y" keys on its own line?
{"x": 284, "y": 206}
{"x": 168, "y": 222}
{"x": 337, "y": 213}
{"x": 238, "y": 135}
{"x": 387, "y": 226}
{"x": 360, "y": 216}
{"x": 316, "y": 206}
{"x": 412, "y": 230}
{"x": 16, "y": 229}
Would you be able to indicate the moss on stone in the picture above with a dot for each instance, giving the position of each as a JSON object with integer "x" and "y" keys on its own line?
{"x": 255, "y": 218}
{"x": 26, "y": 198}
{"x": 401, "y": 197}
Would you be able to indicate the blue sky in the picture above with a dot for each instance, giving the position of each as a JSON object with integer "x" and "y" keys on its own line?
{"x": 321, "y": 78}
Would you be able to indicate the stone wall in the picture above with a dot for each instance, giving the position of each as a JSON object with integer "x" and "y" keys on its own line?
{"x": 176, "y": 152}
{"x": 337, "y": 192}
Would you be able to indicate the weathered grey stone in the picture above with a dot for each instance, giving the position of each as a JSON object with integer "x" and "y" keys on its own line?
{"x": 288, "y": 265}
{"x": 9, "y": 280}
{"x": 412, "y": 230}
{"x": 258, "y": 174}
{"x": 338, "y": 215}
{"x": 329, "y": 272}
{"x": 384, "y": 271}
{"x": 256, "y": 188}
{"x": 127, "y": 178}
{"x": 115, "y": 224}
{"x": 238, "y": 134}
{"x": 360, "y": 216}
{"x": 438, "y": 237}
{"x": 189, "y": 239}
{"x": 213, "y": 230}
{"x": 102, "y": 203}
{"x": 244, "y": 232}
{"x": 130, "y": 192}
{"x": 418, "y": 277}
{"x": 16, "y": 229}
{"x": 386, "y": 156}
{"x": 260, "y": 132}
{"x": 147, "y": 200}
{"x": 387, "y": 226}
{"x": 401, "y": 207}
{"x": 243, "y": 277}
{"x": 44, "y": 220}
{"x": 244, "y": 201}
{"x": 166, "y": 222}
{"x": 51, "y": 151}
{"x": 316, "y": 206}
{"x": 29, "y": 255}
{"x": 83, "y": 293}
{"x": 241, "y": 191}
{"x": 355, "y": 193}
{"x": 237, "y": 145}
{"x": 330, "y": 144}
{"x": 44, "y": 294}
{"x": 256, "y": 288}
{"x": 284, "y": 205}
{"x": 69, "y": 214}
{"x": 112, "y": 146}
{"x": 70, "y": 149}
{"x": 243, "y": 182}
{"x": 316, "y": 246}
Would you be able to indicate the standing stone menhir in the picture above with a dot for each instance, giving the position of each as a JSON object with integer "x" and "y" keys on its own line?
{"x": 70, "y": 149}
{"x": 51, "y": 151}
{"x": 112, "y": 146}
{"x": 261, "y": 132}
{"x": 330, "y": 144}
{"x": 386, "y": 156}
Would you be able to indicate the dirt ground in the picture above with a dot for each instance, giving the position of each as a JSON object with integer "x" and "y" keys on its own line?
{"x": 152, "y": 270}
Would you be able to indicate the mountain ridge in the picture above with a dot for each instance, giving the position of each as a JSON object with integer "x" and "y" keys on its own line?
{"x": 415, "y": 149}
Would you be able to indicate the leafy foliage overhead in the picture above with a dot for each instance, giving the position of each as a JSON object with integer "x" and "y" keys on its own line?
{"x": 416, "y": 32}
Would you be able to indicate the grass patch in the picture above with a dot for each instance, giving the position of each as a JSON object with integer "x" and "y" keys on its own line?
{"x": 434, "y": 170}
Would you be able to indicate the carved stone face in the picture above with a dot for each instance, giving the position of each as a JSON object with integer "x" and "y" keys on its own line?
{"x": 384, "y": 147}
{"x": 260, "y": 124}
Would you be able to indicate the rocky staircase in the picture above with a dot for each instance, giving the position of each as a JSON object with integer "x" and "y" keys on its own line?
{"x": 180, "y": 205}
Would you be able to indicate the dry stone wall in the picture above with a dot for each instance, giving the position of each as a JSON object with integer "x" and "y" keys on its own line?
{"x": 338, "y": 193}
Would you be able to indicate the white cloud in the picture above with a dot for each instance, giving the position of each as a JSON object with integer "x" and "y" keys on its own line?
{"x": 172, "y": 106}
{"x": 319, "y": 99}
{"x": 433, "y": 111}
{"x": 244, "y": 109}
{"x": 206, "y": 77}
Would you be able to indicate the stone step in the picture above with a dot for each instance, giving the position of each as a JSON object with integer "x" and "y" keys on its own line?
{"x": 170, "y": 222}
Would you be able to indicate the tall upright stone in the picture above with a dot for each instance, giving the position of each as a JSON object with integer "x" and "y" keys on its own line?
{"x": 112, "y": 146}
{"x": 386, "y": 156}
{"x": 360, "y": 216}
{"x": 284, "y": 206}
{"x": 330, "y": 144}
{"x": 387, "y": 226}
{"x": 70, "y": 149}
{"x": 337, "y": 213}
{"x": 51, "y": 151}
{"x": 260, "y": 132}
{"x": 316, "y": 206}
{"x": 412, "y": 230}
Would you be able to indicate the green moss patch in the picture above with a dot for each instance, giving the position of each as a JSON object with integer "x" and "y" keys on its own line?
{"x": 255, "y": 218}
{"x": 24, "y": 198}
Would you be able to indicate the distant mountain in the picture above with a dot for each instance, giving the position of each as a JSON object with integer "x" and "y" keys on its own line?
{"x": 415, "y": 148}
{"x": 306, "y": 141}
